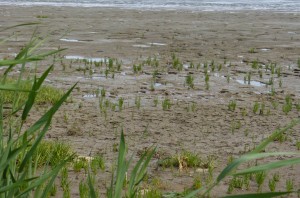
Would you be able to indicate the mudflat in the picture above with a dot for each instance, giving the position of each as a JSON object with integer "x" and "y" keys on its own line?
{"x": 202, "y": 63}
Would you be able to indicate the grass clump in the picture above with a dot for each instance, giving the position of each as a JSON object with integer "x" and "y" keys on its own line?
{"x": 83, "y": 189}
{"x": 260, "y": 178}
{"x": 97, "y": 163}
{"x": 287, "y": 106}
{"x": 46, "y": 94}
{"x": 232, "y": 105}
{"x": 289, "y": 185}
{"x": 272, "y": 185}
{"x": 80, "y": 163}
{"x": 189, "y": 81}
{"x": 166, "y": 104}
{"x": 252, "y": 50}
{"x": 42, "y": 16}
{"x": 183, "y": 160}
{"x": 52, "y": 153}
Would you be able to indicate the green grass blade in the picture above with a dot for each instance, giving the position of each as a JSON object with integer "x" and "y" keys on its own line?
{"x": 194, "y": 193}
{"x": 12, "y": 154}
{"x": 24, "y": 52}
{"x": 274, "y": 135}
{"x": 34, "y": 146}
{"x": 31, "y": 97}
{"x": 143, "y": 169}
{"x": 259, "y": 195}
{"x": 228, "y": 170}
{"x": 1, "y": 126}
{"x": 91, "y": 187}
{"x": 12, "y": 87}
{"x": 43, "y": 178}
{"x": 38, "y": 124}
{"x": 43, "y": 55}
{"x": 16, "y": 185}
{"x": 46, "y": 119}
{"x": 121, "y": 168}
{"x": 268, "y": 166}
{"x": 20, "y": 61}
{"x": 20, "y": 25}
{"x": 133, "y": 176}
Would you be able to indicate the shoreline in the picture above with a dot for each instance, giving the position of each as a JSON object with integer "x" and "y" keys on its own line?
{"x": 150, "y": 7}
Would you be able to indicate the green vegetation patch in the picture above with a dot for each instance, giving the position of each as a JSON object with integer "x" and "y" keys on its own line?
{"x": 47, "y": 94}
{"x": 52, "y": 153}
{"x": 185, "y": 159}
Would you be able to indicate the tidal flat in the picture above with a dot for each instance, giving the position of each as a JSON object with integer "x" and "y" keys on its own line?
{"x": 213, "y": 84}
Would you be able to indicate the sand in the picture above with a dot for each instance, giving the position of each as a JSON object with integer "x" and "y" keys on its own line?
{"x": 131, "y": 36}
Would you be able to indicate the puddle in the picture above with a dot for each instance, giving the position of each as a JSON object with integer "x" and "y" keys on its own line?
{"x": 252, "y": 82}
{"x": 218, "y": 75}
{"x": 142, "y": 46}
{"x": 89, "y": 96}
{"x": 186, "y": 66}
{"x": 265, "y": 49}
{"x": 157, "y": 84}
{"x": 292, "y": 33}
{"x": 69, "y": 40}
{"x": 158, "y": 44}
{"x": 97, "y": 77}
{"x": 85, "y": 58}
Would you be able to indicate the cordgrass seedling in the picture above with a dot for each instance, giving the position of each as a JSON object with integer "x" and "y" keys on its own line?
{"x": 289, "y": 185}
{"x": 97, "y": 163}
{"x": 80, "y": 163}
{"x": 272, "y": 185}
{"x": 83, "y": 190}
{"x": 260, "y": 178}
{"x": 256, "y": 107}
{"x": 244, "y": 112}
{"x": 228, "y": 78}
{"x": 232, "y": 105}
{"x": 166, "y": 104}
{"x": 121, "y": 102}
{"x": 252, "y": 50}
{"x": 287, "y": 107}
{"x": 255, "y": 64}
{"x": 138, "y": 102}
{"x": 53, "y": 190}
{"x": 237, "y": 182}
{"x": 197, "y": 182}
{"x": 191, "y": 65}
{"x": 298, "y": 145}
{"x": 249, "y": 78}
{"x": 220, "y": 67}
{"x": 189, "y": 80}
{"x": 276, "y": 177}
{"x": 246, "y": 181}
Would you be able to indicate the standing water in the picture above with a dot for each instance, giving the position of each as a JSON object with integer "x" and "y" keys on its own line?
{"x": 202, "y": 5}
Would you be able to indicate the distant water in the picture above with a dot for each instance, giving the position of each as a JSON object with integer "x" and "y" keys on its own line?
{"x": 205, "y": 5}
